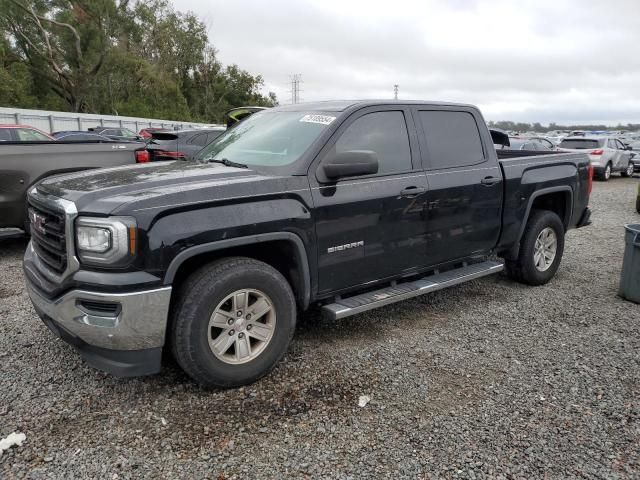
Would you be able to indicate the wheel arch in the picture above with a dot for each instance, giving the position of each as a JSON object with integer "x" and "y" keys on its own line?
{"x": 285, "y": 251}
{"x": 556, "y": 199}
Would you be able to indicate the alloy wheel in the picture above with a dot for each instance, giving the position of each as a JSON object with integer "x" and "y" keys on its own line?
{"x": 241, "y": 326}
{"x": 544, "y": 251}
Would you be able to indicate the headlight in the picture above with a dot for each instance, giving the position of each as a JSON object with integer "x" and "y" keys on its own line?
{"x": 93, "y": 239}
{"x": 105, "y": 241}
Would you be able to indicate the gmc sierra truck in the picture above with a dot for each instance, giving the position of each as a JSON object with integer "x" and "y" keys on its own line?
{"x": 347, "y": 206}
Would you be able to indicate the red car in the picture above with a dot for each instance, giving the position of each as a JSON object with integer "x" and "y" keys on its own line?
{"x": 146, "y": 132}
{"x": 23, "y": 133}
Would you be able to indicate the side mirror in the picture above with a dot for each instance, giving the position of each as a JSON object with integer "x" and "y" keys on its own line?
{"x": 350, "y": 164}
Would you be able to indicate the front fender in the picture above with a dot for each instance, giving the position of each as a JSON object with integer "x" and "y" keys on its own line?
{"x": 296, "y": 241}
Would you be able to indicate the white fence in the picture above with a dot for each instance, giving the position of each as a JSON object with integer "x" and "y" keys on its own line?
{"x": 57, "y": 121}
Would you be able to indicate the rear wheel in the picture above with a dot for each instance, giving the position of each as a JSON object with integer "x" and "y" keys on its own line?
{"x": 541, "y": 249}
{"x": 232, "y": 322}
{"x": 628, "y": 172}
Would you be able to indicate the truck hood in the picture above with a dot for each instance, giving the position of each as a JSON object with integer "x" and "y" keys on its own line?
{"x": 105, "y": 191}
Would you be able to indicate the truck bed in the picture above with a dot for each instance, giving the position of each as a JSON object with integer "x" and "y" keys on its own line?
{"x": 566, "y": 175}
{"x": 24, "y": 163}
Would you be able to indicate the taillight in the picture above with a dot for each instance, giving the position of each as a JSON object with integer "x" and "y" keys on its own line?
{"x": 596, "y": 152}
{"x": 142, "y": 156}
{"x": 590, "y": 180}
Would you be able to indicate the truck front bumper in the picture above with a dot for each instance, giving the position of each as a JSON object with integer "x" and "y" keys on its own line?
{"x": 120, "y": 333}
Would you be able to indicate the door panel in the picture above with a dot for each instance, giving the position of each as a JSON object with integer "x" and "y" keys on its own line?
{"x": 372, "y": 227}
{"x": 464, "y": 211}
{"x": 367, "y": 230}
{"x": 463, "y": 215}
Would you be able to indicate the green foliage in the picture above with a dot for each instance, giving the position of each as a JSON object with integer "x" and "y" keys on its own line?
{"x": 102, "y": 56}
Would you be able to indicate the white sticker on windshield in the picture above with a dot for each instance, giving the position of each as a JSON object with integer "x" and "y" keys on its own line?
{"x": 322, "y": 119}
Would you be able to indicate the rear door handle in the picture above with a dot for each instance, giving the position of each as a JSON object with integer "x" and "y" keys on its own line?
{"x": 411, "y": 192}
{"x": 490, "y": 181}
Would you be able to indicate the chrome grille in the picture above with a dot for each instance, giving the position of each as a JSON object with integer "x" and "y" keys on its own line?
{"x": 48, "y": 235}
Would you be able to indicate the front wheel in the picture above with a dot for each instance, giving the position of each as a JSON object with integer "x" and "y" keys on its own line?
{"x": 232, "y": 322}
{"x": 541, "y": 249}
{"x": 628, "y": 172}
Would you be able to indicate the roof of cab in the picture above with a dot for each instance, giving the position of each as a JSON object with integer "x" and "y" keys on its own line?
{"x": 342, "y": 105}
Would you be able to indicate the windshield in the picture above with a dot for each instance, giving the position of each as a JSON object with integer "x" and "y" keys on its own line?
{"x": 269, "y": 139}
{"x": 580, "y": 144}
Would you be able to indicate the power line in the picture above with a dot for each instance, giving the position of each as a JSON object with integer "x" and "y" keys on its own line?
{"x": 296, "y": 80}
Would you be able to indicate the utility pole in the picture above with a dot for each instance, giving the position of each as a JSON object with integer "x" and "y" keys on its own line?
{"x": 395, "y": 91}
{"x": 296, "y": 80}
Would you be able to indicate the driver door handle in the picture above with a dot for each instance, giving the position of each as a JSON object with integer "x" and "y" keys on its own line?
{"x": 490, "y": 181}
{"x": 411, "y": 192}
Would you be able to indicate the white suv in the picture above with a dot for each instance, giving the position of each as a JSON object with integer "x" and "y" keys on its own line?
{"x": 607, "y": 154}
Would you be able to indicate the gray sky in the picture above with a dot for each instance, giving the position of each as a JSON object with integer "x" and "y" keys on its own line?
{"x": 566, "y": 61}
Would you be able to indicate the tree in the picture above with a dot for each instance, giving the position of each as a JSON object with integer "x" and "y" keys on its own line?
{"x": 110, "y": 56}
{"x": 63, "y": 43}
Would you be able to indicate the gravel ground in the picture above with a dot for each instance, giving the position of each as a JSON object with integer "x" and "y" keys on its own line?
{"x": 489, "y": 379}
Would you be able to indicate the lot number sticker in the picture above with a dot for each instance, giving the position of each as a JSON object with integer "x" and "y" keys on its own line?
{"x": 321, "y": 119}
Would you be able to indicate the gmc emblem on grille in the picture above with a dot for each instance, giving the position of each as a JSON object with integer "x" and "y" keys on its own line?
{"x": 37, "y": 221}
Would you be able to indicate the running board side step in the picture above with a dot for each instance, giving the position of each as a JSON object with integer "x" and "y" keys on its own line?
{"x": 345, "y": 307}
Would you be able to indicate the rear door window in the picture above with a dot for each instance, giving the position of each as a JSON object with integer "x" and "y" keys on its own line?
{"x": 384, "y": 133}
{"x": 453, "y": 138}
{"x": 28, "y": 135}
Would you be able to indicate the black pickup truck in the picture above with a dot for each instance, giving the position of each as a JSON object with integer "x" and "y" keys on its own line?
{"x": 343, "y": 205}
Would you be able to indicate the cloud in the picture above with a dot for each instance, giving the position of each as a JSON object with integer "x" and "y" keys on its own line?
{"x": 544, "y": 60}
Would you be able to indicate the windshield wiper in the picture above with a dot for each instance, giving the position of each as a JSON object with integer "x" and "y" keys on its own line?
{"x": 226, "y": 162}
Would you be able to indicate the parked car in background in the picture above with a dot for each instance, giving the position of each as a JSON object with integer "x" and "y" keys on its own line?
{"x": 531, "y": 144}
{"x": 23, "y": 164}
{"x": 118, "y": 133}
{"x": 22, "y": 133}
{"x": 236, "y": 115}
{"x": 546, "y": 142}
{"x": 146, "y": 132}
{"x": 181, "y": 145}
{"x": 607, "y": 154}
{"x": 634, "y": 148}
{"x": 80, "y": 136}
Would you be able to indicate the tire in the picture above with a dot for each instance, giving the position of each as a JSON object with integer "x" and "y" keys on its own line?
{"x": 605, "y": 175}
{"x": 194, "y": 327}
{"x": 628, "y": 172}
{"x": 524, "y": 269}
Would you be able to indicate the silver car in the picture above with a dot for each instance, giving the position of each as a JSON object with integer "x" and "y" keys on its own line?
{"x": 607, "y": 154}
